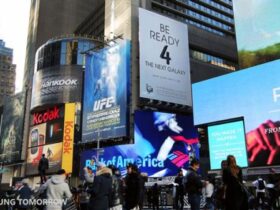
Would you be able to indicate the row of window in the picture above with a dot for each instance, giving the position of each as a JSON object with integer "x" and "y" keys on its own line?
{"x": 7, "y": 67}
{"x": 66, "y": 52}
{"x": 218, "y": 6}
{"x": 212, "y": 60}
{"x": 206, "y": 28}
{"x": 210, "y": 11}
{"x": 209, "y": 20}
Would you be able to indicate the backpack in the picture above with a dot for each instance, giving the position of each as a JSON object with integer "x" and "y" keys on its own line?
{"x": 261, "y": 185}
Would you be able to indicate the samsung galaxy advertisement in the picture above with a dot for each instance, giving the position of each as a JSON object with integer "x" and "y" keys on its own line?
{"x": 252, "y": 93}
{"x": 164, "y": 67}
{"x": 106, "y": 92}
{"x": 164, "y": 143}
{"x": 227, "y": 139}
{"x": 12, "y": 128}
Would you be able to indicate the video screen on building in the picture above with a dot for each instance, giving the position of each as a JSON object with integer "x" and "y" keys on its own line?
{"x": 253, "y": 93}
{"x": 164, "y": 143}
{"x": 53, "y": 153}
{"x": 227, "y": 139}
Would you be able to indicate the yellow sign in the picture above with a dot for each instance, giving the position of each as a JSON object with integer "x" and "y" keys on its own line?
{"x": 68, "y": 137}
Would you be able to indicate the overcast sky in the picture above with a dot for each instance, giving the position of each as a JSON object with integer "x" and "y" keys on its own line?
{"x": 14, "y": 15}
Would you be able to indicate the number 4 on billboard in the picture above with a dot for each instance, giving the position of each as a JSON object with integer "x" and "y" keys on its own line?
{"x": 165, "y": 55}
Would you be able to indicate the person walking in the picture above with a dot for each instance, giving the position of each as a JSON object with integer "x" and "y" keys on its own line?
{"x": 179, "y": 197}
{"x": 194, "y": 185}
{"x": 133, "y": 187}
{"x": 235, "y": 198}
{"x": 209, "y": 190}
{"x": 24, "y": 194}
{"x": 260, "y": 185}
{"x": 116, "y": 200}
{"x": 101, "y": 189}
{"x": 57, "y": 190}
{"x": 42, "y": 168}
{"x": 155, "y": 196}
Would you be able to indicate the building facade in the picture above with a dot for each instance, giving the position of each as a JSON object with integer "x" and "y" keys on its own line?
{"x": 7, "y": 72}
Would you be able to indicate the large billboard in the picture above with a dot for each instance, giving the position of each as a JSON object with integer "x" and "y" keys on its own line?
{"x": 52, "y": 134}
{"x": 257, "y": 31}
{"x": 164, "y": 67}
{"x": 254, "y": 94}
{"x": 106, "y": 93}
{"x": 12, "y": 128}
{"x": 164, "y": 143}
{"x": 61, "y": 84}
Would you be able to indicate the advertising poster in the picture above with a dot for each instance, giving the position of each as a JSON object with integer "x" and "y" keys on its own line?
{"x": 227, "y": 139}
{"x": 53, "y": 153}
{"x": 106, "y": 93}
{"x": 254, "y": 94}
{"x": 68, "y": 137}
{"x": 59, "y": 85}
{"x": 164, "y": 68}
{"x": 164, "y": 143}
{"x": 257, "y": 32}
{"x": 12, "y": 128}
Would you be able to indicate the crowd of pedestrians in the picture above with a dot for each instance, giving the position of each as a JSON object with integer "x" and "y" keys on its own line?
{"x": 108, "y": 190}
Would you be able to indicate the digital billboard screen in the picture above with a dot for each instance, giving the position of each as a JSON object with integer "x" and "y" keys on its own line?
{"x": 106, "y": 93}
{"x": 254, "y": 94}
{"x": 164, "y": 143}
{"x": 227, "y": 139}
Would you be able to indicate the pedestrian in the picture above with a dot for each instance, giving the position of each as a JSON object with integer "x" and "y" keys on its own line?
{"x": 133, "y": 188}
{"x": 260, "y": 185}
{"x": 24, "y": 193}
{"x": 235, "y": 198}
{"x": 180, "y": 191}
{"x": 116, "y": 200}
{"x": 57, "y": 190}
{"x": 101, "y": 189}
{"x": 42, "y": 168}
{"x": 209, "y": 191}
{"x": 155, "y": 196}
{"x": 194, "y": 185}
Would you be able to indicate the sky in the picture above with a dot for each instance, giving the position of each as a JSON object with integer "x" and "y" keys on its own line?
{"x": 257, "y": 23}
{"x": 14, "y": 16}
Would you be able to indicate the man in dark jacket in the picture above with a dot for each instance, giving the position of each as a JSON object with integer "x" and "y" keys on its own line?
{"x": 133, "y": 187}
{"x": 24, "y": 193}
{"x": 194, "y": 185}
{"x": 179, "y": 197}
{"x": 43, "y": 166}
{"x": 116, "y": 200}
{"x": 101, "y": 189}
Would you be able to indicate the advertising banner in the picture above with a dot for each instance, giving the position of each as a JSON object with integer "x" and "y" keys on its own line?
{"x": 227, "y": 139}
{"x": 254, "y": 94}
{"x": 106, "y": 93}
{"x": 164, "y": 143}
{"x": 12, "y": 128}
{"x": 53, "y": 153}
{"x": 164, "y": 59}
{"x": 68, "y": 137}
{"x": 57, "y": 85}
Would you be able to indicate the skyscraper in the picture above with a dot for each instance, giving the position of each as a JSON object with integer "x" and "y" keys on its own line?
{"x": 7, "y": 72}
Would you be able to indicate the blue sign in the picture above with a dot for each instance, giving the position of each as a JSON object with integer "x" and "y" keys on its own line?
{"x": 106, "y": 93}
{"x": 227, "y": 139}
{"x": 254, "y": 94}
{"x": 164, "y": 143}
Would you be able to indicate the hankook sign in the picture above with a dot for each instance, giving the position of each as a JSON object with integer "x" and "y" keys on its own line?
{"x": 61, "y": 84}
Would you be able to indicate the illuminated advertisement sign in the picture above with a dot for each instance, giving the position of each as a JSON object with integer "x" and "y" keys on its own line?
{"x": 254, "y": 94}
{"x": 227, "y": 139}
{"x": 106, "y": 92}
{"x": 61, "y": 84}
{"x": 68, "y": 137}
{"x": 53, "y": 153}
{"x": 257, "y": 32}
{"x": 12, "y": 128}
{"x": 164, "y": 70}
{"x": 164, "y": 143}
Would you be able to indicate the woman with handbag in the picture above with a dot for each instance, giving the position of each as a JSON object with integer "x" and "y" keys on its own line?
{"x": 236, "y": 198}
